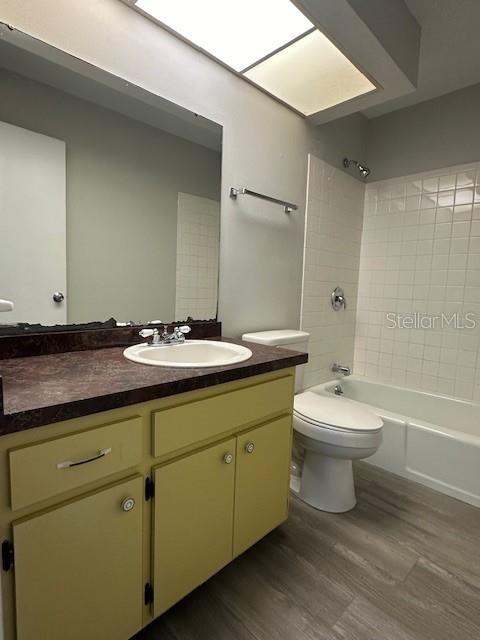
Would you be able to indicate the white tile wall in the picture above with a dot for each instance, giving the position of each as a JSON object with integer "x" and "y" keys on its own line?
{"x": 198, "y": 229}
{"x": 332, "y": 253}
{"x": 421, "y": 254}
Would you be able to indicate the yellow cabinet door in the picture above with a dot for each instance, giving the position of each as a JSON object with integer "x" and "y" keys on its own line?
{"x": 78, "y": 567}
{"x": 262, "y": 481}
{"x": 193, "y": 521}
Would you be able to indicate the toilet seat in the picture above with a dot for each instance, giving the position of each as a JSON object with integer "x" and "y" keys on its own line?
{"x": 336, "y": 421}
{"x": 329, "y": 427}
{"x": 339, "y": 414}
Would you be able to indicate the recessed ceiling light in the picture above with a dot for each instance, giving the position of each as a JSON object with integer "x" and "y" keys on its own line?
{"x": 238, "y": 36}
{"x": 310, "y": 75}
{"x": 270, "y": 42}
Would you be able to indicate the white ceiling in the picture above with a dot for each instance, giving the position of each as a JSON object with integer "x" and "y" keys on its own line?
{"x": 449, "y": 50}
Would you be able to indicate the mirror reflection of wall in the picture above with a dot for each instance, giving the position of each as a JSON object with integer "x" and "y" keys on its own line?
{"x": 198, "y": 229}
{"x": 141, "y": 221}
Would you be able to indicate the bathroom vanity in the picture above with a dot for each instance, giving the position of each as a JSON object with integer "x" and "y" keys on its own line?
{"x": 123, "y": 486}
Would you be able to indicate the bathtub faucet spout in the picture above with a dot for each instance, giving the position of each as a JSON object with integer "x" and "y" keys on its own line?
{"x": 338, "y": 368}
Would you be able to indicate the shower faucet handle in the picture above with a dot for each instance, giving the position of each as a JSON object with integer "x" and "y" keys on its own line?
{"x": 338, "y": 299}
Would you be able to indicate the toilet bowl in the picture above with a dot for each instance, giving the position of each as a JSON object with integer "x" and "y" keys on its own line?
{"x": 331, "y": 432}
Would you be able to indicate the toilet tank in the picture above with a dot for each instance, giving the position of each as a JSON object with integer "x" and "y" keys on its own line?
{"x": 286, "y": 338}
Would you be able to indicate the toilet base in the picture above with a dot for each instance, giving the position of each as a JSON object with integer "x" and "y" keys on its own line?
{"x": 327, "y": 483}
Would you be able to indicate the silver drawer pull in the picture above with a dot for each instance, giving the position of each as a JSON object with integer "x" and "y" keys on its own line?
{"x": 69, "y": 463}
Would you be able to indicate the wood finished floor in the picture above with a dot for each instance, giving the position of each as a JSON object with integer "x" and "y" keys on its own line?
{"x": 403, "y": 565}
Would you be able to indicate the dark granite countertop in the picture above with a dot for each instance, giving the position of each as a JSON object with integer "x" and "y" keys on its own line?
{"x": 40, "y": 390}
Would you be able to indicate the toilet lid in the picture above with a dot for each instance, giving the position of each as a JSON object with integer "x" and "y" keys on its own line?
{"x": 339, "y": 413}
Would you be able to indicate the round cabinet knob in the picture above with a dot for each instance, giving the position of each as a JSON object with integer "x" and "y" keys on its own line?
{"x": 58, "y": 297}
{"x": 249, "y": 447}
{"x": 128, "y": 504}
{"x": 228, "y": 458}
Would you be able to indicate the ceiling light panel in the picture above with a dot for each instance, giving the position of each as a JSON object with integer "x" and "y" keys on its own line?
{"x": 239, "y": 35}
{"x": 270, "y": 42}
{"x": 310, "y": 75}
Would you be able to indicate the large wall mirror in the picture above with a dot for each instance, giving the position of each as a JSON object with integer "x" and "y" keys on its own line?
{"x": 109, "y": 196}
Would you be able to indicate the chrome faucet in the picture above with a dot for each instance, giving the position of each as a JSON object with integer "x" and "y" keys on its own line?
{"x": 177, "y": 335}
{"x": 338, "y": 368}
{"x": 160, "y": 340}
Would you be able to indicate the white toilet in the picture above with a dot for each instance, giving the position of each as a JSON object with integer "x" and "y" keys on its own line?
{"x": 332, "y": 431}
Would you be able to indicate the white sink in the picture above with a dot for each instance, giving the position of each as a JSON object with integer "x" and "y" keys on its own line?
{"x": 192, "y": 353}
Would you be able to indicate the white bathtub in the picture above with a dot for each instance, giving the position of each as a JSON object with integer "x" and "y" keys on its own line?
{"x": 430, "y": 438}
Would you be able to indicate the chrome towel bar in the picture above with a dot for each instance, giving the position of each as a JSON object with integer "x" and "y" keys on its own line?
{"x": 243, "y": 191}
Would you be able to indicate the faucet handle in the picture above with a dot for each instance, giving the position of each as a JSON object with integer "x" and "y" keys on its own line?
{"x": 146, "y": 333}
{"x": 180, "y": 332}
{"x": 338, "y": 299}
{"x": 184, "y": 329}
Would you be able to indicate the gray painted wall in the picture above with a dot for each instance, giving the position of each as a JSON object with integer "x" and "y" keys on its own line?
{"x": 431, "y": 135}
{"x": 123, "y": 179}
{"x": 345, "y": 137}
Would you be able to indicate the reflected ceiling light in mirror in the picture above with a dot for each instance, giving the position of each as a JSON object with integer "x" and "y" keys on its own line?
{"x": 269, "y": 42}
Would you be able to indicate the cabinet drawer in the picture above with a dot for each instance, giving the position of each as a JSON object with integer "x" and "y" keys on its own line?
{"x": 43, "y": 470}
{"x": 181, "y": 426}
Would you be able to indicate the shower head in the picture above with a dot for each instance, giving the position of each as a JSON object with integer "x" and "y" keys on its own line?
{"x": 364, "y": 171}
